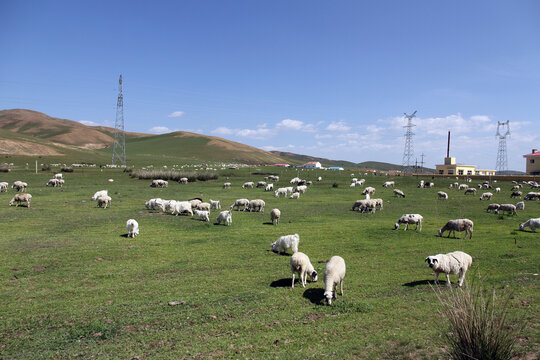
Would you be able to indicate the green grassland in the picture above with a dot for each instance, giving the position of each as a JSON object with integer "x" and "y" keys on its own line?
{"x": 73, "y": 286}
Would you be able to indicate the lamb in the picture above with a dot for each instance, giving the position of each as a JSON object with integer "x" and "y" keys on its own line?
{"x": 470, "y": 191}
{"x": 195, "y": 202}
{"x": 421, "y": 184}
{"x": 286, "y": 242}
{"x": 516, "y": 194}
{"x": 153, "y": 203}
{"x": 104, "y": 201}
{"x": 493, "y": 207}
{"x": 99, "y": 194}
{"x": 369, "y": 191}
{"x": 410, "y": 219}
{"x": 520, "y": 205}
{"x": 389, "y": 184}
{"x": 183, "y": 180}
{"x": 203, "y": 215}
{"x": 275, "y": 214}
{"x": 261, "y": 184}
{"x": 203, "y": 206}
{"x": 248, "y": 184}
{"x": 227, "y": 185}
{"x": 319, "y": 179}
{"x": 456, "y": 262}
{"x": 458, "y": 225}
{"x": 239, "y": 203}
{"x": 497, "y": 189}
{"x": 21, "y": 198}
{"x": 280, "y": 191}
{"x": 463, "y": 187}
{"x": 225, "y": 217}
{"x": 179, "y": 207}
{"x": 442, "y": 195}
{"x": 58, "y": 176}
{"x": 295, "y": 195}
{"x": 255, "y": 205}
{"x": 19, "y": 185}
{"x": 269, "y": 187}
{"x": 3, "y": 186}
{"x": 300, "y": 264}
{"x": 486, "y": 196}
{"x": 398, "y": 192}
{"x": 214, "y": 204}
{"x": 301, "y": 189}
{"x": 511, "y": 208}
{"x": 132, "y": 228}
{"x": 52, "y": 182}
{"x": 531, "y": 223}
{"x": 334, "y": 273}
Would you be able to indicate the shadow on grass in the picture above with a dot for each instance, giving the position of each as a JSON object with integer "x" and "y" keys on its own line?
{"x": 124, "y": 235}
{"x": 419, "y": 283}
{"x": 267, "y": 223}
{"x": 315, "y": 296}
{"x": 281, "y": 283}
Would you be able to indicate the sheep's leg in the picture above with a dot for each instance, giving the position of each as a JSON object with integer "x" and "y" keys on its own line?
{"x": 448, "y": 280}
{"x": 293, "y": 274}
{"x": 406, "y": 226}
{"x": 341, "y": 285}
{"x": 461, "y": 277}
{"x": 436, "y": 278}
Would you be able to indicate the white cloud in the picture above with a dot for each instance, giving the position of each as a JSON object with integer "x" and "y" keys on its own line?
{"x": 338, "y": 126}
{"x": 175, "y": 114}
{"x": 289, "y": 124}
{"x": 259, "y": 133}
{"x": 159, "y": 130}
{"x": 88, "y": 123}
{"x": 222, "y": 130}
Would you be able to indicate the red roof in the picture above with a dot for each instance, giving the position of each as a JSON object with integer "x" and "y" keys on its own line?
{"x": 532, "y": 154}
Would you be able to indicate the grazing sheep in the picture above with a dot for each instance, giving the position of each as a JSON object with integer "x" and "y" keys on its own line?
{"x": 183, "y": 180}
{"x": 520, "y": 205}
{"x": 21, "y": 198}
{"x": 398, "y": 192}
{"x": 153, "y": 203}
{"x": 458, "y": 225}
{"x": 429, "y": 184}
{"x": 456, "y": 262}
{"x": 61, "y": 182}
{"x": 52, "y": 182}
{"x": 379, "y": 203}
{"x": 301, "y": 189}
{"x": 421, "y": 184}
{"x": 227, "y": 185}
{"x": 99, "y": 193}
{"x": 225, "y": 217}
{"x": 168, "y": 206}
{"x": 214, "y": 204}
{"x": 410, "y": 219}
{"x": 352, "y": 185}
{"x": 240, "y": 203}
{"x": 516, "y": 194}
{"x": 295, "y": 195}
{"x": 19, "y": 185}
{"x": 442, "y": 195}
{"x": 463, "y": 187}
{"x": 179, "y": 207}
{"x": 58, "y": 176}
{"x": 319, "y": 178}
{"x": 510, "y": 208}
{"x": 159, "y": 183}
{"x": 3, "y": 186}
{"x": 269, "y": 187}
{"x": 248, "y": 184}
{"x": 104, "y": 201}
{"x": 354, "y": 180}
{"x": 281, "y": 191}
{"x": 486, "y": 196}
{"x": 203, "y": 215}
{"x": 334, "y": 273}
{"x": 286, "y": 242}
{"x": 295, "y": 180}
{"x": 497, "y": 189}
{"x": 275, "y": 214}
{"x": 531, "y": 223}
{"x": 132, "y": 228}
{"x": 369, "y": 191}
{"x": 261, "y": 184}
{"x": 289, "y": 189}
{"x": 300, "y": 264}
{"x": 368, "y": 205}
{"x": 389, "y": 184}
{"x": 360, "y": 182}
{"x": 470, "y": 191}
{"x": 203, "y": 206}
{"x": 493, "y": 207}
{"x": 256, "y": 205}
{"x": 532, "y": 196}
{"x": 516, "y": 188}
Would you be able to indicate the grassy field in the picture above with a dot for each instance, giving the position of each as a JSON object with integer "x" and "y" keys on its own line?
{"x": 73, "y": 286}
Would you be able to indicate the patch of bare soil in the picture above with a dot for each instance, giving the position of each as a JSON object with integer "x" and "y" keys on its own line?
{"x": 25, "y": 148}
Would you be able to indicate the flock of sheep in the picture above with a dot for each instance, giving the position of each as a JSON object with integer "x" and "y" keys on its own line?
{"x": 456, "y": 262}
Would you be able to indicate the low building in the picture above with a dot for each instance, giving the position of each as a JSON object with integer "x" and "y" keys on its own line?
{"x": 450, "y": 167}
{"x": 336, "y": 168}
{"x": 312, "y": 165}
{"x": 533, "y": 162}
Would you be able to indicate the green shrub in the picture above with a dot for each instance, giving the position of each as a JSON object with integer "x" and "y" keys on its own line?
{"x": 174, "y": 175}
{"x": 335, "y": 185}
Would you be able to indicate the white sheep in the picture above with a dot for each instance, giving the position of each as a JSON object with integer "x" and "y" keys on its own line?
{"x": 289, "y": 189}
{"x": 379, "y": 203}
{"x": 58, "y": 176}
{"x": 104, "y": 201}
{"x": 21, "y": 198}
{"x": 520, "y": 205}
{"x": 275, "y": 214}
{"x": 493, "y": 207}
{"x": 456, "y": 262}
{"x": 214, "y": 204}
{"x": 204, "y": 206}
{"x": 256, "y": 205}
{"x": 531, "y": 223}
{"x": 295, "y": 195}
{"x": 19, "y": 185}
{"x": 354, "y": 180}
{"x": 261, "y": 184}
{"x": 179, "y": 207}
{"x": 203, "y": 215}
{"x": 510, "y": 208}
{"x": 300, "y": 264}
{"x": 398, "y": 192}
{"x": 168, "y": 205}
{"x": 280, "y": 192}
{"x": 183, "y": 180}
{"x": 225, "y": 217}
{"x": 352, "y": 185}
{"x": 61, "y": 182}
{"x": 368, "y": 205}
{"x": 295, "y": 180}
{"x": 286, "y": 242}
{"x": 486, "y": 196}
{"x": 389, "y": 184}
{"x": 470, "y": 191}
{"x": 227, "y": 185}
{"x": 458, "y": 225}
{"x": 319, "y": 178}
{"x": 269, "y": 187}
{"x": 463, "y": 187}
{"x": 334, "y": 273}
{"x": 195, "y": 202}
{"x": 407, "y": 219}
{"x": 52, "y": 182}
{"x": 360, "y": 182}
{"x": 240, "y": 203}
{"x": 248, "y": 184}
{"x": 153, "y": 203}
{"x": 422, "y": 183}
{"x": 497, "y": 189}
{"x": 99, "y": 193}
{"x": 132, "y": 228}
{"x": 442, "y": 195}
{"x": 4, "y": 186}
{"x": 369, "y": 191}
{"x": 301, "y": 189}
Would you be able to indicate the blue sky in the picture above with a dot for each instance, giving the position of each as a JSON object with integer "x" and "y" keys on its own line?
{"x": 329, "y": 79}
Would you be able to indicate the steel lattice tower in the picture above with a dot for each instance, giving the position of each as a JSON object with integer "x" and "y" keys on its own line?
{"x": 408, "y": 153}
{"x": 119, "y": 146}
{"x": 502, "y": 156}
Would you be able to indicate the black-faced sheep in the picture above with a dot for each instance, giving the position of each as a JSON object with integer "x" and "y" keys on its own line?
{"x": 456, "y": 262}
{"x": 300, "y": 264}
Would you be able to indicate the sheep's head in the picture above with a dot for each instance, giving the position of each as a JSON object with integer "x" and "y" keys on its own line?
{"x": 314, "y": 276}
{"x": 431, "y": 260}
{"x": 440, "y": 232}
{"x": 273, "y": 245}
{"x": 521, "y": 226}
